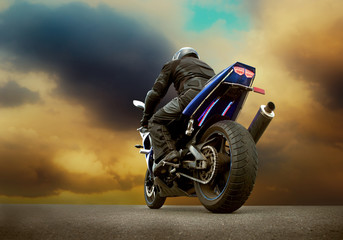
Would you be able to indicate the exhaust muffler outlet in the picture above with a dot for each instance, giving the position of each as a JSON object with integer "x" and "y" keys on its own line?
{"x": 264, "y": 116}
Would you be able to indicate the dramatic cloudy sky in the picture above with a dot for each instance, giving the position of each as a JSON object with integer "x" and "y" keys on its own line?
{"x": 69, "y": 71}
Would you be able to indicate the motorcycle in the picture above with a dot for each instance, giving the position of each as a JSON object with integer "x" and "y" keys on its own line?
{"x": 218, "y": 155}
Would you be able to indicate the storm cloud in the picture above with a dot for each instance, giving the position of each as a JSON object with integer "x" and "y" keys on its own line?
{"x": 298, "y": 173}
{"x": 102, "y": 59}
{"x": 13, "y": 95}
{"x": 27, "y": 169}
{"x": 316, "y": 57}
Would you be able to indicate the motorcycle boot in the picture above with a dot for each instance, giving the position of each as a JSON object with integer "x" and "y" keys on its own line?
{"x": 161, "y": 167}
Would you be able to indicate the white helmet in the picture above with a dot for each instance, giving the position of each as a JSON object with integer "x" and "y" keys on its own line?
{"x": 183, "y": 52}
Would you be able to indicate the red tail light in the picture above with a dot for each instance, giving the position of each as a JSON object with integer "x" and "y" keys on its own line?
{"x": 249, "y": 74}
{"x": 239, "y": 70}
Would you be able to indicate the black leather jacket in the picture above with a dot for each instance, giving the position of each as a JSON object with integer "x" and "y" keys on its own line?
{"x": 185, "y": 73}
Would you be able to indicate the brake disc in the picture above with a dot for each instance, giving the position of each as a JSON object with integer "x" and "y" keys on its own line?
{"x": 210, "y": 172}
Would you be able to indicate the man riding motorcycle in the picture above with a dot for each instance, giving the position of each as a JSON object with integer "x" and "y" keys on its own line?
{"x": 189, "y": 75}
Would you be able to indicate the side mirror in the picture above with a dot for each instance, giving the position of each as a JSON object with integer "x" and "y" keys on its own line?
{"x": 139, "y": 104}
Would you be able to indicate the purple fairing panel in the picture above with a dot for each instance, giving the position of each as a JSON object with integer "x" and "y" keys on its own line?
{"x": 217, "y": 98}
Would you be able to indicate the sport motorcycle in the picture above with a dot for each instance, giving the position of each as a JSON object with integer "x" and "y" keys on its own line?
{"x": 219, "y": 160}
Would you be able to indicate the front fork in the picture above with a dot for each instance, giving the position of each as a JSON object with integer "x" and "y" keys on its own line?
{"x": 146, "y": 148}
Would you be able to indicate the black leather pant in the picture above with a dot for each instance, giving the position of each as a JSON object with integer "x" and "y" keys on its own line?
{"x": 161, "y": 140}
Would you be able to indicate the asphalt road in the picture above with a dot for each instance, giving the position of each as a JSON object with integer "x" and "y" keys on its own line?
{"x": 170, "y": 222}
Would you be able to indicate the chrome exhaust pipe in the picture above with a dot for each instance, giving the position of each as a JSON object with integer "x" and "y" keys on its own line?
{"x": 261, "y": 121}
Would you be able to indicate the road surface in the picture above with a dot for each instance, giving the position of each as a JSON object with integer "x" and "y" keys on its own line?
{"x": 170, "y": 222}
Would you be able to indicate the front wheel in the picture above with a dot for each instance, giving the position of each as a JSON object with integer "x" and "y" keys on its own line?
{"x": 152, "y": 198}
{"x": 237, "y": 167}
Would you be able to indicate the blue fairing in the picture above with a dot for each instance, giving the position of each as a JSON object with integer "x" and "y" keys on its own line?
{"x": 216, "y": 98}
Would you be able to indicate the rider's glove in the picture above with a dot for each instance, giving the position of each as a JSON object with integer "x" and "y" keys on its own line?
{"x": 144, "y": 121}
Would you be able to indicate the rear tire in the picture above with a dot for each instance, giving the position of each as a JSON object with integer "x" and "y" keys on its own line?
{"x": 237, "y": 160}
{"x": 152, "y": 198}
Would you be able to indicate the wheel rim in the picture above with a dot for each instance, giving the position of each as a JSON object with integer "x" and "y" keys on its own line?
{"x": 215, "y": 188}
{"x": 150, "y": 191}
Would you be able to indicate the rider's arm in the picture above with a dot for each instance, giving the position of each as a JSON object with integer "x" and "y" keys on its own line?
{"x": 157, "y": 92}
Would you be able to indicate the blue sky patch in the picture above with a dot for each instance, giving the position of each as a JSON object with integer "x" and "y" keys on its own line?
{"x": 205, "y": 17}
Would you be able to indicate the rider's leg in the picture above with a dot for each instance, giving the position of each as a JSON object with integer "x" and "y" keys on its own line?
{"x": 162, "y": 142}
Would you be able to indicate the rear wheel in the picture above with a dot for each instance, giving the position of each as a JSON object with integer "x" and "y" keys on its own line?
{"x": 152, "y": 198}
{"x": 236, "y": 171}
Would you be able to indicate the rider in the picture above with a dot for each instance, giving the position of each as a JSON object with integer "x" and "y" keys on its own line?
{"x": 189, "y": 75}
